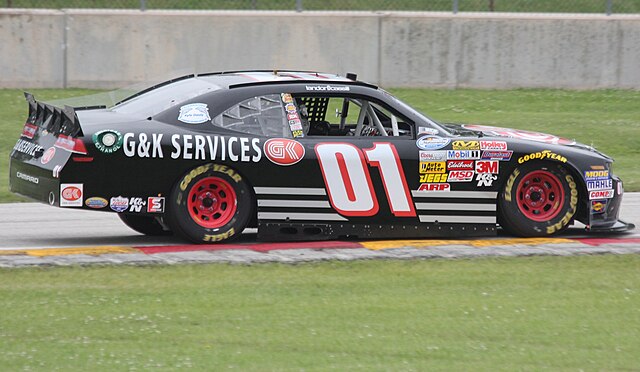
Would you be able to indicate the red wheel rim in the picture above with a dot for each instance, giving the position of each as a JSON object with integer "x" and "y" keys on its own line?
{"x": 540, "y": 196}
{"x": 212, "y": 202}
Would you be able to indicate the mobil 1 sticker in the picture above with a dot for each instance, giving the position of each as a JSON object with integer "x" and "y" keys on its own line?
{"x": 600, "y": 185}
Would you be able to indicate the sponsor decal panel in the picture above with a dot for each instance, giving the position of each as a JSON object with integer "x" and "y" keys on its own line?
{"x": 433, "y": 155}
{"x": 460, "y": 176}
{"x": 29, "y": 131}
{"x": 193, "y": 146}
{"x": 28, "y": 178}
{"x": 432, "y": 167}
{"x": 136, "y": 204}
{"x": 497, "y": 155}
{"x": 493, "y": 145}
{"x": 295, "y": 125}
{"x": 68, "y": 143}
{"x": 96, "y": 202}
{"x": 29, "y": 148}
{"x": 155, "y": 204}
{"x": 541, "y": 155}
{"x": 107, "y": 141}
{"x": 487, "y": 166}
{"x": 432, "y": 142}
{"x": 48, "y": 155}
{"x": 486, "y": 179}
{"x": 463, "y": 154}
{"x": 598, "y": 206}
{"x": 460, "y": 165}
{"x": 119, "y": 203}
{"x": 465, "y": 145}
{"x": 283, "y": 151}
{"x": 596, "y": 175}
{"x": 71, "y": 194}
{"x": 600, "y": 184}
{"x": 434, "y": 187}
{"x": 601, "y": 194}
{"x": 433, "y": 177}
{"x": 194, "y": 113}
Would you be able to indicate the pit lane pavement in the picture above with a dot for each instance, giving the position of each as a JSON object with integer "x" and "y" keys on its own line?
{"x": 37, "y": 234}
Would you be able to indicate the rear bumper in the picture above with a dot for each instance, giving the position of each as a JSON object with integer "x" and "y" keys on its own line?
{"x": 34, "y": 182}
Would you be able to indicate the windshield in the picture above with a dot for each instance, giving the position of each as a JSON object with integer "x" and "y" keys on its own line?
{"x": 415, "y": 112}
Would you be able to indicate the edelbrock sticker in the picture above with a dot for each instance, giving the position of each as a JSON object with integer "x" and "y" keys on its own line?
{"x": 194, "y": 113}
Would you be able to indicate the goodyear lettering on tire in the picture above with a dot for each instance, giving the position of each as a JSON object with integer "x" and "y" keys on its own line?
{"x": 573, "y": 204}
{"x": 509, "y": 186}
{"x": 219, "y": 237}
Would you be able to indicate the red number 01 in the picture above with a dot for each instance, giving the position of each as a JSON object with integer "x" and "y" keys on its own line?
{"x": 346, "y": 175}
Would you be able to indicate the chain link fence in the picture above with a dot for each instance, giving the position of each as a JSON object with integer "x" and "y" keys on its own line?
{"x": 528, "y": 6}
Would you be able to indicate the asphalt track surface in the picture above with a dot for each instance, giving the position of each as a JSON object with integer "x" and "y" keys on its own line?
{"x": 33, "y": 234}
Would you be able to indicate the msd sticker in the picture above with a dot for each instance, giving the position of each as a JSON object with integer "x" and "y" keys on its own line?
{"x": 71, "y": 195}
{"x": 194, "y": 113}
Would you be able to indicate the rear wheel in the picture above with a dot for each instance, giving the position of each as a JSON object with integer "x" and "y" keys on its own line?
{"x": 538, "y": 199}
{"x": 147, "y": 225}
{"x": 211, "y": 203}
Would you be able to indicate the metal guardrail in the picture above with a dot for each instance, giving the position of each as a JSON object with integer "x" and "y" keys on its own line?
{"x": 522, "y": 6}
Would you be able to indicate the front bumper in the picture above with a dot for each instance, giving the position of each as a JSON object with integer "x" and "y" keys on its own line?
{"x": 604, "y": 213}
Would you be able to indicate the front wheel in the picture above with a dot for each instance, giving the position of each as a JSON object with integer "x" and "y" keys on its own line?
{"x": 211, "y": 203}
{"x": 538, "y": 199}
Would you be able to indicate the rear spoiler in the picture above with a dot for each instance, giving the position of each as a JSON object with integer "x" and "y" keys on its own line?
{"x": 57, "y": 121}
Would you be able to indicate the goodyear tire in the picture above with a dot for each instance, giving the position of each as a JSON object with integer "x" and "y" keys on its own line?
{"x": 210, "y": 203}
{"x": 538, "y": 199}
{"x": 147, "y": 225}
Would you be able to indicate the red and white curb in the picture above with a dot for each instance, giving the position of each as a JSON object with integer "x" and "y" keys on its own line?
{"x": 316, "y": 251}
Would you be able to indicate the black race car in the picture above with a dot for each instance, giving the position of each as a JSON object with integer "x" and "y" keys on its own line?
{"x": 304, "y": 156}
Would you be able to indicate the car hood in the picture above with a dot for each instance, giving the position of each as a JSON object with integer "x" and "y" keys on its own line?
{"x": 487, "y": 130}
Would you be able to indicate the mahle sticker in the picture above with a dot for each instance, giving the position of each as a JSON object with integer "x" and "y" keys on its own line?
{"x": 108, "y": 141}
{"x": 194, "y": 113}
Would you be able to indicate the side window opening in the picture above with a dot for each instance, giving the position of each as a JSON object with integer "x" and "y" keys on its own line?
{"x": 263, "y": 116}
{"x": 349, "y": 116}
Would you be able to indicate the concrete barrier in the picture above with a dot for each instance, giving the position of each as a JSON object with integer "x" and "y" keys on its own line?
{"x": 112, "y": 48}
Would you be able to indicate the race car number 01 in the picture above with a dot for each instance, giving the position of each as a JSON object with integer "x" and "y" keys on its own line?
{"x": 349, "y": 185}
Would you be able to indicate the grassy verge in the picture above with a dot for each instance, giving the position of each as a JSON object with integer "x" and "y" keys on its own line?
{"x": 607, "y": 119}
{"x": 572, "y": 313}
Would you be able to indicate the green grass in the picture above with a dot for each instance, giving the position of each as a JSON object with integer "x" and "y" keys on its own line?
{"x": 538, "y": 6}
{"x": 554, "y": 313}
{"x": 607, "y": 119}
